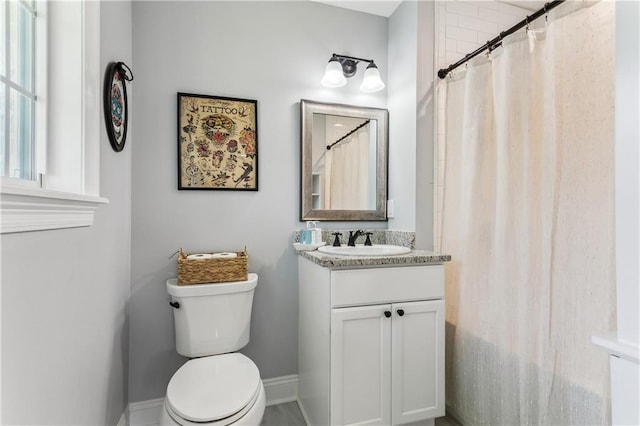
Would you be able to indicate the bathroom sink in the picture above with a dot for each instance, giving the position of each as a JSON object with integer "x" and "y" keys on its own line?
{"x": 362, "y": 250}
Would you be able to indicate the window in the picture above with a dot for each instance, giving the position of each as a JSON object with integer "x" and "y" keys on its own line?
{"x": 49, "y": 114}
{"x": 18, "y": 89}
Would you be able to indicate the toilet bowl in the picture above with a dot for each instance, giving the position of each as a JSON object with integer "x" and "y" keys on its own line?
{"x": 216, "y": 390}
{"x": 217, "y": 386}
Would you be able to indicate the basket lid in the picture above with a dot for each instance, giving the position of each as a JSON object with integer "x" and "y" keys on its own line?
{"x": 211, "y": 289}
{"x": 213, "y": 388}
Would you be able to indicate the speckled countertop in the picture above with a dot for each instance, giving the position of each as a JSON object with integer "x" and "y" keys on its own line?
{"x": 379, "y": 236}
{"x": 414, "y": 258}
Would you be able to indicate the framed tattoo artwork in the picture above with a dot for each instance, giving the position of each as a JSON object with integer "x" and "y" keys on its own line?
{"x": 217, "y": 143}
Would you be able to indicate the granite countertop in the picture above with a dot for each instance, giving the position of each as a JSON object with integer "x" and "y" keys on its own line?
{"x": 414, "y": 258}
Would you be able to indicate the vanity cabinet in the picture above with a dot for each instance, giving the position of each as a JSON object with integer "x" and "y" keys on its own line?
{"x": 371, "y": 344}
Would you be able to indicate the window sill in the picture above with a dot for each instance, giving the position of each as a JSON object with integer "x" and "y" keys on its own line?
{"x": 36, "y": 209}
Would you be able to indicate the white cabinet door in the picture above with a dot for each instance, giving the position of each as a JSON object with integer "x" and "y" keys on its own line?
{"x": 361, "y": 365}
{"x": 418, "y": 361}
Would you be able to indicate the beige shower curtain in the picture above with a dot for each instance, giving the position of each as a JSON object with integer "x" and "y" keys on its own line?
{"x": 347, "y": 173}
{"x": 527, "y": 215}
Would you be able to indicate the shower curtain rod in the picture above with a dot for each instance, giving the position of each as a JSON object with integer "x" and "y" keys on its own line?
{"x": 348, "y": 134}
{"x": 497, "y": 41}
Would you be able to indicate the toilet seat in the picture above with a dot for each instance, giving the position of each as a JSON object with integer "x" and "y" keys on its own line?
{"x": 250, "y": 415}
{"x": 216, "y": 390}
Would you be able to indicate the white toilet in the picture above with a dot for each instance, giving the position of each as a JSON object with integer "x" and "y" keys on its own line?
{"x": 216, "y": 386}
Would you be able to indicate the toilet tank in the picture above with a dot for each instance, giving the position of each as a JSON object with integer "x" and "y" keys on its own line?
{"x": 212, "y": 319}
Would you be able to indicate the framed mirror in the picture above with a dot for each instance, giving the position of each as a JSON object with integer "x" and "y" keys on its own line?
{"x": 343, "y": 162}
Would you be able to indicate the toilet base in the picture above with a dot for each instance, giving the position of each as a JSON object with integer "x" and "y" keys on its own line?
{"x": 253, "y": 417}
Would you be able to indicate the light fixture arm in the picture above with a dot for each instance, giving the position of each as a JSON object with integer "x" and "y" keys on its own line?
{"x": 353, "y": 58}
{"x": 350, "y": 63}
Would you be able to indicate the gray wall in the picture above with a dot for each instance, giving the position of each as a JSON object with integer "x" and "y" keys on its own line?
{"x": 274, "y": 52}
{"x": 425, "y": 133}
{"x": 411, "y": 106}
{"x": 403, "y": 30}
{"x": 65, "y": 292}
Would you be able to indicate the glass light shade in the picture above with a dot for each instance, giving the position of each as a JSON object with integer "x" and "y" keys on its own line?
{"x": 333, "y": 75}
{"x": 371, "y": 81}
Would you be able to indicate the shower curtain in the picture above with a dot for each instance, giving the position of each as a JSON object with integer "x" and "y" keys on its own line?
{"x": 347, "y": 173}
{"x": 527, "y": 215}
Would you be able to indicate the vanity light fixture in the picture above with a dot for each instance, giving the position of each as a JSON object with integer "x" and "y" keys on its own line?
{"x": 341, "y": 67}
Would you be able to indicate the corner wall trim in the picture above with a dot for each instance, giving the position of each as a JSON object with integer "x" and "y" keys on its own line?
{"x": 278, "y": 391}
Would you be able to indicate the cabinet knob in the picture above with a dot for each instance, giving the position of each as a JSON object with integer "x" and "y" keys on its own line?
{"x": 400, "y": 312}
{"x": 387, "y": 314}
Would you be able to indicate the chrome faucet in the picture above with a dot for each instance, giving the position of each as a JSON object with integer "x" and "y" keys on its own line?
{"x": 353, "y": 236}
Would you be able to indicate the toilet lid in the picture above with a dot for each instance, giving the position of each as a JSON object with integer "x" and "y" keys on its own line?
{"x": 212, "y": 388}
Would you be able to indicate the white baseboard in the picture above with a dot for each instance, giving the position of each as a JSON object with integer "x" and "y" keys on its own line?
{"x": 281, "y": 389}
{"x": 122, "y": 421}
{"x": 278, "y": 390}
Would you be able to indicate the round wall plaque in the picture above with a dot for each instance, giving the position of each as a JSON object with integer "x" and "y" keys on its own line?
{"x": 116, "y": 109}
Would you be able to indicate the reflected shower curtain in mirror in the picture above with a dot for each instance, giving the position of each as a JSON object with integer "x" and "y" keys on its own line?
{"x": 347, "y": 173}
{"x": 527, "y": 215}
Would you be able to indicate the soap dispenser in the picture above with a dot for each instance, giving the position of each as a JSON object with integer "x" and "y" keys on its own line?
{"x": 317, "y": 233}
{"x": 312, "y": 234}
{"x": 306, "y": 235}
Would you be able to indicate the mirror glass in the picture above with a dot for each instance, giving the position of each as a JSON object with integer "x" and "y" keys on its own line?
{"x": 344, "y": 162}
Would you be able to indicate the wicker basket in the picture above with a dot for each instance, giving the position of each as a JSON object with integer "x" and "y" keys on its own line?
{"x": 216, "y": 270}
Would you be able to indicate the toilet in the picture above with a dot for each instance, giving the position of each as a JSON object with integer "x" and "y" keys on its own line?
{"x": 217, "y": 386}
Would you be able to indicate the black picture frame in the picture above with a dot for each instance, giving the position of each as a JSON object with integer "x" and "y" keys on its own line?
{"x": 116, "y": 107}
{"x": 217, "y": 139}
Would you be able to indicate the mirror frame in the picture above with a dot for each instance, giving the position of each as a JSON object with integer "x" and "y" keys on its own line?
{"x": 307, "y": 109}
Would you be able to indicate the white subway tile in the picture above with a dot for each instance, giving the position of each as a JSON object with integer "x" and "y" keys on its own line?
{"x": 513, "y": 10}
{"x": 452, "y": 19}
{"x": 492, "y": 5}
{"x": 465, "y": 48}
{"x": 477, "y": 24}
{"x": 451, "y": 58}
{"x": 450, "y": 45}
{"x": 501, "y": 19}
{"x": 461, "y": 34}
{"x": 485, "y": 37}
{"x": 462, "y": 8}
